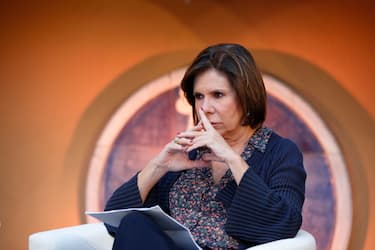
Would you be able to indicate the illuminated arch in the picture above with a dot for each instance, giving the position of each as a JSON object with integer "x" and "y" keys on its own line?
{"x": 309, "y": 81}
{"x": 274, "y": 87}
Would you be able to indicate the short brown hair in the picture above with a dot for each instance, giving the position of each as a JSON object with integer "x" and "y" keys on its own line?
{"x": 238, "y": 65}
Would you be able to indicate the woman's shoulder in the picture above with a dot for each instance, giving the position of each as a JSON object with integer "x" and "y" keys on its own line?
{"x": 281, "y": 144}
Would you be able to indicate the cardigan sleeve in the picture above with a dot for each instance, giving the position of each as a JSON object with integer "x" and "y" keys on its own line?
{"x": 128, "y": 196}
{"x": 269, "y": 208}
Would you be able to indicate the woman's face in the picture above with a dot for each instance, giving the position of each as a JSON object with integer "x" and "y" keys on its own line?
{"x": 216, "y": 97}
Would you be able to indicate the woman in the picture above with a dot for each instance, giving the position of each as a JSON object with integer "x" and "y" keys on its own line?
{"x": 248, "y": 186}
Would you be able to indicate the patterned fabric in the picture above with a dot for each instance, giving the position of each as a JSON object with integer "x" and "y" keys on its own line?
{"x": 192, "y": 199}
{"x": 257, "y": 141}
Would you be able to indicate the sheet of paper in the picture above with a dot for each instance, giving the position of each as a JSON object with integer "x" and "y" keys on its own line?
{"x": 175, "y": 230}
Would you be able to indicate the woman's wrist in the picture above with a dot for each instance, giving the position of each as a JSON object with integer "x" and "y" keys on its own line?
{"x": 148, "y": 177}
{"x": 157, "y": 168}
{"x": 237, "y": 166}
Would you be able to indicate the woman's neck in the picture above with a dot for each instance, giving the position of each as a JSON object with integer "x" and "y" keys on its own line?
{"x": 239, "y": 139}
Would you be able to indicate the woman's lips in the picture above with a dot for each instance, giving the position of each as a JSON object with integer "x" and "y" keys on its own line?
{"x": 215, "y": 124}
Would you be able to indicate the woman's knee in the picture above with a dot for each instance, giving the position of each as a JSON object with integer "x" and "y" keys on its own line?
{"x": 134, "y": 218}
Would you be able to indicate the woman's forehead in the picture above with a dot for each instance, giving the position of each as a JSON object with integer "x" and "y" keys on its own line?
{"x": 212, "y": 78}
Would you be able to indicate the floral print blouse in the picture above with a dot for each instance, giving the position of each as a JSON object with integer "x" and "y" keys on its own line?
{"x": 192, "y": 199}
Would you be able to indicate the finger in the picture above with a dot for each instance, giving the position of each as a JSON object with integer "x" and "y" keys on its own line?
{"x": 175, "y": 145}
{"x": 182, "y": 140}
{"x": 206, "y": 123}
{"x": 197, "y": 127}
{"x": 195, "y": 145}
{"x": 189, "y": 134}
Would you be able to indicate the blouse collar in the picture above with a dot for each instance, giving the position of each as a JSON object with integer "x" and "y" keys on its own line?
{"x": 258, "y": 141}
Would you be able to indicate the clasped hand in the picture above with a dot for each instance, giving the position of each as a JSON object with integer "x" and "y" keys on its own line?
{"x": 174, "y": 157}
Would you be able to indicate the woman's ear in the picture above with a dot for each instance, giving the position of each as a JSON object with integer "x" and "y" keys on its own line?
{"x": 246, "y": 119}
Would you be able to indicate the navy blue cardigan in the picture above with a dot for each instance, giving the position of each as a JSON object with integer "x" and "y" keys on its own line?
{"x": 265, "y": 206}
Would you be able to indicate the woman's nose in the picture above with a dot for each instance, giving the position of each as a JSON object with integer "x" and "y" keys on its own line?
{"x": 207, "y": 106}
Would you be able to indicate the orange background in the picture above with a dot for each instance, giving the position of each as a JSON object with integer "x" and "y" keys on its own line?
{"x": 56, "y": 58}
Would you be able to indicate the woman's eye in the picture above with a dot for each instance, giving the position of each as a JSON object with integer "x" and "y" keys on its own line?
{"x": 218, "y": 94}
{"x": 198, "y": 96}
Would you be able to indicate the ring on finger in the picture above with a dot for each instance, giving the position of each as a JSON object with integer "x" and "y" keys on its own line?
{"x": 175, "y": 140}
